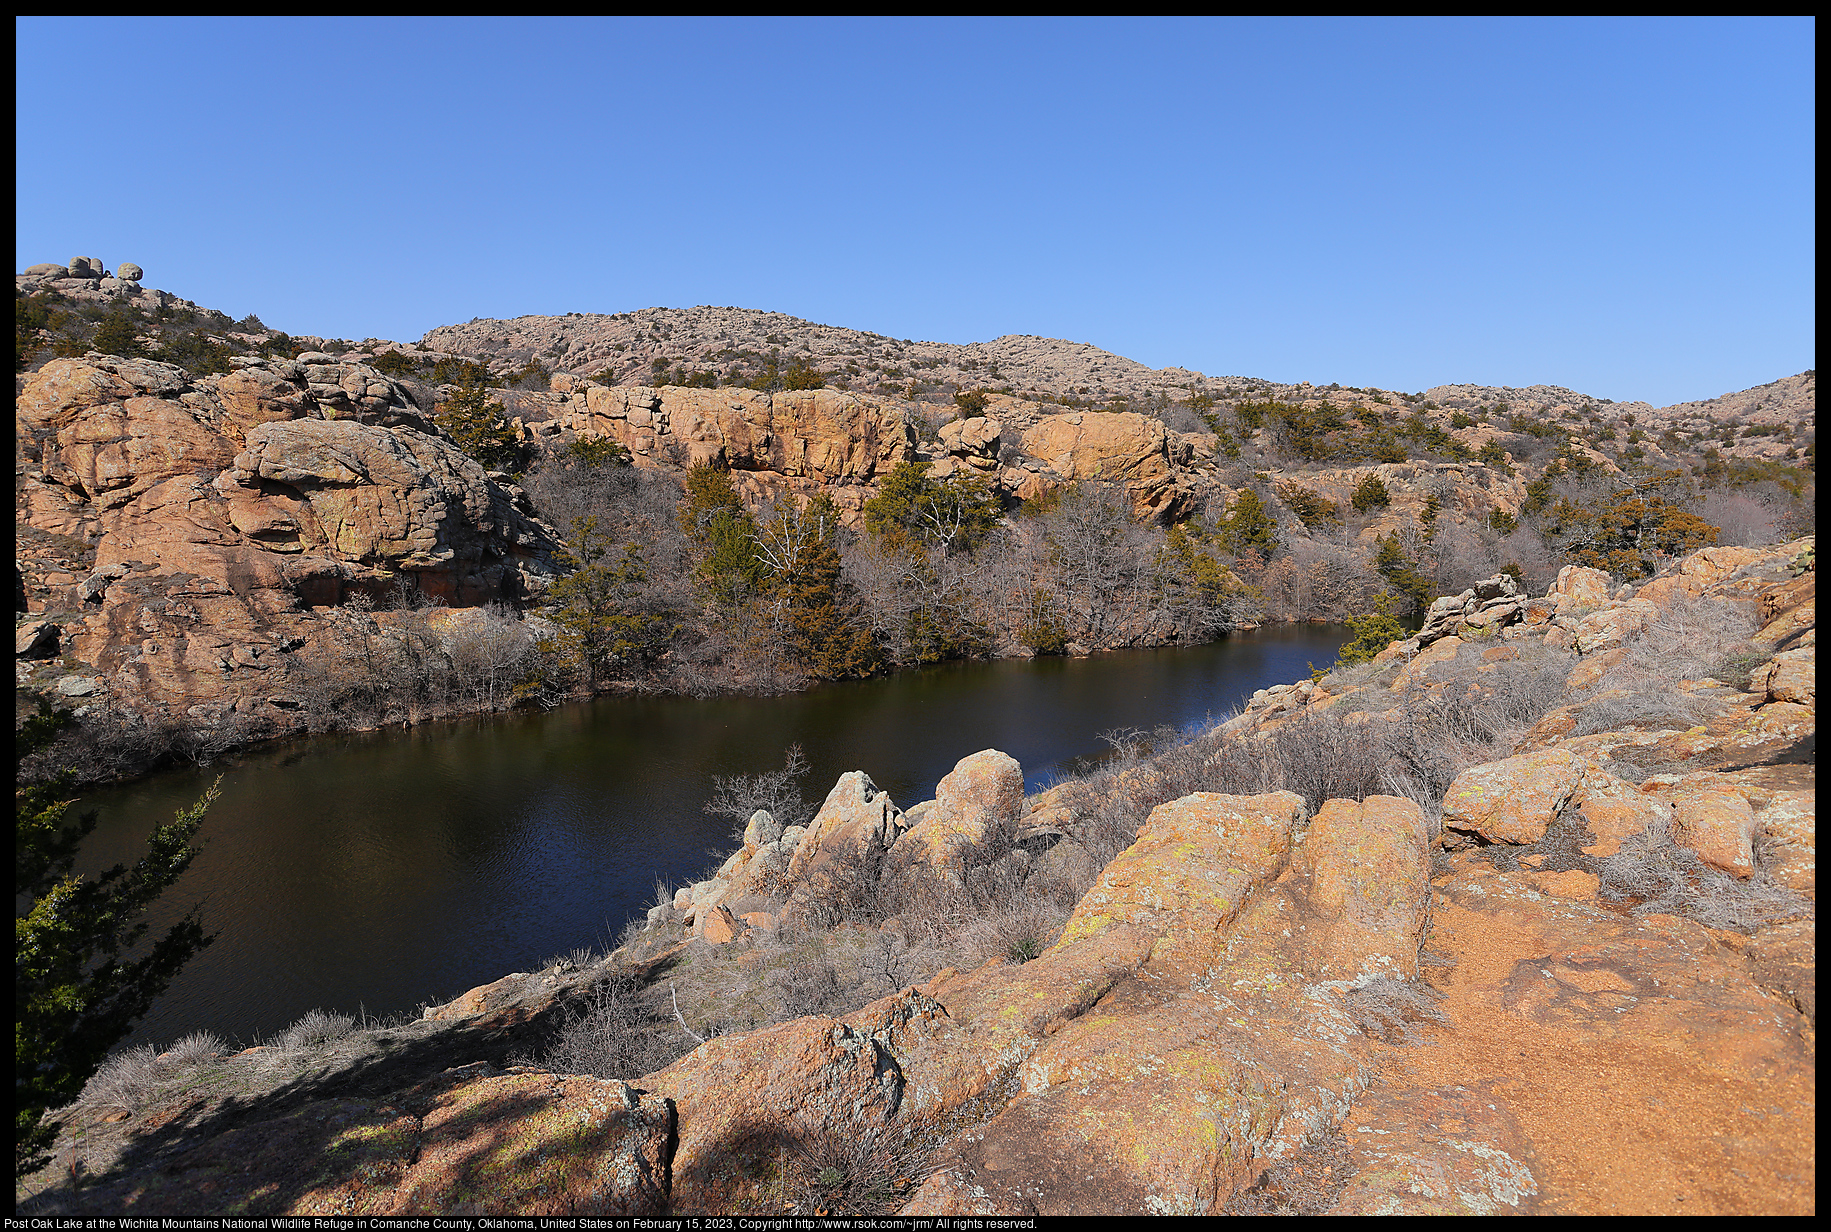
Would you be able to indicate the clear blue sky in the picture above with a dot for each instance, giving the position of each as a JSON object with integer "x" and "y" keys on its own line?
{"x": 1623, "y": 207}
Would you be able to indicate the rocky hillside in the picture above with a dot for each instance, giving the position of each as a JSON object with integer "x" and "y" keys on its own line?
{"x": 220, "y": 527}
{"x": 737, "y": 345}
{"x": 1562, "y": 964}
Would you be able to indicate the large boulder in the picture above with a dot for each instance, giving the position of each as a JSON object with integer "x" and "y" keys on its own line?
{"x": 1578, "y": 587}
{"x": 225, "y": 509}
{"x": 981, "y": 794}
{"x": 856, "y": 825}
{"x": 1516, "y": 799}
{"x": 1368, "y": 864}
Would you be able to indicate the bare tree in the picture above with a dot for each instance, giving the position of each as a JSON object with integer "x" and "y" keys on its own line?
{"x": 1102, "y": 563}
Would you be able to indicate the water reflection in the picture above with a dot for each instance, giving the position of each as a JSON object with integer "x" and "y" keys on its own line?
{"x": 386, "y": 869}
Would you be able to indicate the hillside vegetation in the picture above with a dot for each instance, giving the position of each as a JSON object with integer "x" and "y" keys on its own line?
{"x": 698, "y": 500}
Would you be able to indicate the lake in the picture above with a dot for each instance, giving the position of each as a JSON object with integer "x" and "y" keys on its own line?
{"x": 383, "y": 870}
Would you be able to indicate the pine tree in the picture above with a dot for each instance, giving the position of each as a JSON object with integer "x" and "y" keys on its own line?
{"x": 117, "y": 335}
{"x": 1373, "y": 632}
{"x": 823, "y": 623}
{"x": 957, "y": 512}
{"x": 723, "y": 535}
{"x": 1391, "y": 563}
{"x": 1372, "y": 494}
{"x": 75, "y": 994}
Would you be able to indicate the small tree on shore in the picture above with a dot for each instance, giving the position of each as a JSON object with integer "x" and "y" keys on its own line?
{"x": 607, "y": 632}
{"x": 1373, "y": 632}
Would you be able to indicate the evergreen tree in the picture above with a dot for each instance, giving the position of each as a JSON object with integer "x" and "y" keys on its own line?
{"x": 117, "y": 334}
{"x": 605, "y": 630}
{"x": 957, "y": 512}
{"x": 1372, "y": 494}
{"x": 1249, "y": 526}
{"x": 803, "y": 375}
{"x": 1391, "y": 563}
{"x": 475, "y": 424}
{"x": 1373, "y": 632}
{"x": 723, "y": 534}
{"x": 1491, "y": 454}
{"x": 1201, "y": 592}
{"x": 75, "y": 993}
{"x": 823, "y": 622}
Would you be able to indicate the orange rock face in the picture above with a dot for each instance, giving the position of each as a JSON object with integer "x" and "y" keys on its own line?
{"x": 1367, "y": 862}
{"x": 1122, "y": 448}
{"x": 1515, "y": 800}
{"x": 226, "y": 508}
{"x": 1622, "y": 1067}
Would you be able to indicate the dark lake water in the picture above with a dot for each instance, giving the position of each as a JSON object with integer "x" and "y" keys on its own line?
{"x": 383, "y": 870}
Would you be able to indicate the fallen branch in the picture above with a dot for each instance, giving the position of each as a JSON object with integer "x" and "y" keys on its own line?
{"x": 683, "y": 1022}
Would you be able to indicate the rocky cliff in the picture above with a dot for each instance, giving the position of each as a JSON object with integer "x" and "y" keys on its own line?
{"x": 180, "y": 536}
{"x": 1577, "y": 979}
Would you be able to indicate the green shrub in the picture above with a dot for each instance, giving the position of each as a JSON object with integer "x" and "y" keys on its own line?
{"x": 597, "y": 453}
{"x": 1373, "y": 632}
{"x": 475, "y": 423}
{"x": 1371, "y": 494}
{"x": 1310, "y": 507}
{"x": 1248, "y": 526}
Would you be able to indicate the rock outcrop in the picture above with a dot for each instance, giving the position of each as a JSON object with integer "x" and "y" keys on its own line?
{"x": 799, "y": 442}
{"x": 222, "y": 511}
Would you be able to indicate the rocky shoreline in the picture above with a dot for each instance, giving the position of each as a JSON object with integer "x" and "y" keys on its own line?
{"x": 1577, "y": 979}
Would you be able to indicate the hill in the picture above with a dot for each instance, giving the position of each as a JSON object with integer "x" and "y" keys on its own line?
{"x": 227, "y": 533}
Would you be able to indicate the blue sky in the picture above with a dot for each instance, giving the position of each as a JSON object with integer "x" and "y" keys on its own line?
{"x": 1623, "y": 207}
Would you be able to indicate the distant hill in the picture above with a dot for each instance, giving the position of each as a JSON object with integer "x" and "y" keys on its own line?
{"x": 658, "y": 346}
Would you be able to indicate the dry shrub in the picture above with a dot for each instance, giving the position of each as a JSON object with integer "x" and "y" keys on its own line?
{"x": 776, "y": 792}
{"x": 1664, "y": 878}
{"x": 1736, "y": 667}
{"x": 124, "y": 1080}
{"x": 1743, "y": 518}
{"x": 314, "y": 1028}
{"x": 1470, "y": 712}
{"x": 1355, "y": 675}
{"x": 838, "y": 1173}
{"x": 196, "y": 1049}
{"x": 1644, "y": 707}
{"x": 615, "y": 1034}
{"x": 1017, "y": 933}
{"x": 994, "y": 899}
{"x": 1393, "y": 1010}
{"x": 808, "y": 983}
{"x": 846, "y": 887}
{"x": 1686, "y": 641}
